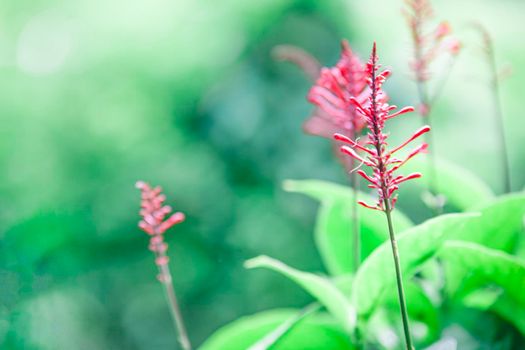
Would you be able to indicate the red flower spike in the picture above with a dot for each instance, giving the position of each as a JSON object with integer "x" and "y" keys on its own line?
{"x": 375, "y": 111}
{"x": 153, "y": 221}
{"x": 332, "y": 94}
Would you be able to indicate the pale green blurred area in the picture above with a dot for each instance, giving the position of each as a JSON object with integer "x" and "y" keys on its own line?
{"x": 95, "y": 95}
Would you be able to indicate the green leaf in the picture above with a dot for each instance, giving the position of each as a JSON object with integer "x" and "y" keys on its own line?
{"x": 317, "y": 331}
{"x": 272, "y": 338}
{"x": 376, "y": 277}
{"x": 510, "y": 311}
{"x": 482, "y": 299}
{"x": 319, "y": 287}
{"x": 333, "y": 231}
{"x": 470, "y": 267}
{"x": 498, "y": 226}
{"x": 461, "y": 188}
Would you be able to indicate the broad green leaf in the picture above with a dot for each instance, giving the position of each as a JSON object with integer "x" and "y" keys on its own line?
{"x": 470, "y": 267}
{"x": 498, "y": 226}
{"x": 277, "y": 335}
{"x": 319, "y": 287}
{"x": 317, "y": 331}
{"x": 461, "y": 188}
{"x": 333, "y": 231}
{"x": 376, "y": 277}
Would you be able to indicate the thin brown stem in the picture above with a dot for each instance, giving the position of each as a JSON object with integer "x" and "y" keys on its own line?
{"x": 176, "y": 315}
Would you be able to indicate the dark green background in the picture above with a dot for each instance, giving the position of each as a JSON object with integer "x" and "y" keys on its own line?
{"x": 95, "y": 95}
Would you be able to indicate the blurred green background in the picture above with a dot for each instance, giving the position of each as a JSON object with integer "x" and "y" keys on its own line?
{"x": 95, "y": 95}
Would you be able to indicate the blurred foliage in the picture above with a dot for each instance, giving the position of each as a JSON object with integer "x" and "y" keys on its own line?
{"x": 95, "y": 95}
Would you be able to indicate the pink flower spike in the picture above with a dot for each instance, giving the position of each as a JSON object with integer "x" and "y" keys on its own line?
{"x": 153, "y": 211}
{"x": 332, "y": 94}
{"x": 375, "y": 113}
{"x": 154, "y": 221}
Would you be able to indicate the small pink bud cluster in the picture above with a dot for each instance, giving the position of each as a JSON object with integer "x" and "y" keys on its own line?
{"x": 153, "y": 212}
{"x": 331, "y": 94}
{"x": 382, "y": 161}
{"x": 428, "y": 45}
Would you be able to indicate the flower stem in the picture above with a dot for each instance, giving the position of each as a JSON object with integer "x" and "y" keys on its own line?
{"x": 399, "y": 278}
{"x": 356, "y": 244}
{"x": 499, "y": 118}
{"x": 425, "y": 110}
{"x": 356, "y": 234}
{"x": 425, "y": 117}
{"x": 176, "y": 315}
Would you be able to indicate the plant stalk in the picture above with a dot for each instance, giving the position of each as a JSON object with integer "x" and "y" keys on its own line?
{"x": 355, "y": 223}
{"x": 399, "y": 277}
{"x": 356, "y": 234}
{"x": 432, "y": 177}
{"x": 499, "y": 119}
{"x": 166, "y": 280}
{"x": 356, "y": 231}
{"x": 388, "y": 209}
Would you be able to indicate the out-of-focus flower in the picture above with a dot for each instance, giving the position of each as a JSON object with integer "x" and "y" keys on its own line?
{"x": 332, "y": 93}
{"x": 428, "y": 45}
{"x": 154, "y": 222}
{"x": 376, "y": 155}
